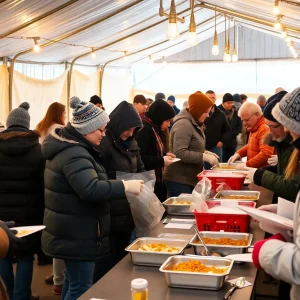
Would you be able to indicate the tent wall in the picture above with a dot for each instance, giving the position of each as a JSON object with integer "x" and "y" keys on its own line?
{"x": 4, "y": 101}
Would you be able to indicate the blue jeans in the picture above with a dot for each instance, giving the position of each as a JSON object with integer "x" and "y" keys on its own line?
{"x": 216, "y": 150}
{"x": 18, "y": 286}
{"x": 78, "y": 278}
{"x": 174, "y": 189}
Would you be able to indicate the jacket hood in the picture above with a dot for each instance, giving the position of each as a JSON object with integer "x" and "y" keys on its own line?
{"x": 124, "y": 117}
{"x": 17, "y": 140}
{"x": 160, "y": 111}
{"x": 61, "y": 139}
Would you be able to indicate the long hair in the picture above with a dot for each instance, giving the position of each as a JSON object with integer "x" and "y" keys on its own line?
{"x": 293, "y": 167}
{"x": 54, "y": 115}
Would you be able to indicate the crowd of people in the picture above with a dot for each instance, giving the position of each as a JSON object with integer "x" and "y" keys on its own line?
{"x": 64, "y": 175}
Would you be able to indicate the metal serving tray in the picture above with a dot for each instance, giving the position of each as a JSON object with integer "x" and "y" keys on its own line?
{"x": 222, "y": 249}
{"x": 152, "y": 258}
{"x": 217, "y": 167}
{"x": 234, "y": 193}
{"x": 193, "y": 280}
{"x": 177, "y": 209}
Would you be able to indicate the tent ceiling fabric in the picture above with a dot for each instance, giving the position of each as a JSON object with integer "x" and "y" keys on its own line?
{"x": 15, "y": 12}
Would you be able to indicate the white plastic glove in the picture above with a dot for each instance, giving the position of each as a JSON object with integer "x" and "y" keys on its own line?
{"x": 133, "y": 186}
{"x": 211, "y": 159}
{"x": 234, "y": 158}
{"x": 269, "y": 207}
{"x": 168, "y": 160}
{"x": 211, "y": 153}
{"x": 250, "y": 174}
{"x": 273, "y": 160}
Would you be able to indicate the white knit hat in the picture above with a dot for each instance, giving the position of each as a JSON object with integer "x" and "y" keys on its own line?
{"x": 287, "y": 111}
{"x": 86, "y": 116}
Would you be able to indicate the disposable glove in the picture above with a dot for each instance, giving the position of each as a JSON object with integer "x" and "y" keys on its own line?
{"x": 211, "y": 153}
{"x": 211, "y": 159}
{"x": 134, "y": 187}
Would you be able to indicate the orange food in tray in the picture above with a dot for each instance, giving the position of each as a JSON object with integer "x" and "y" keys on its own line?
{"x": 238, "y": 197}
{"x": 158, "y": 248}
{"x": 224, "y": 241}
{"x": 197, "y": 266}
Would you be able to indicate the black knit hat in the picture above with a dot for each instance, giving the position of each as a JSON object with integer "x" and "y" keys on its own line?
{"x": 96, "y": 100}
{"x": 160, "y": 111}
{"x": 228, "y": 97}
{"x": 272, "y": 101}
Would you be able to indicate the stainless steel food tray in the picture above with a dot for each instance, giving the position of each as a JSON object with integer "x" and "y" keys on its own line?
{"x": 152, "y": 258}
{"x": 222, "y": 249}
{"x": 178, "y": 209}
{"x": 217, "y": 167}
{"x": 193, "y": 280}
{"x": 234, "y": 193}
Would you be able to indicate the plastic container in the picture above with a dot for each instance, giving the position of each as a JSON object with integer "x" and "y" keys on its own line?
{"x": 234, "y": 180}
{"x": 139, "y": 289}
{"x": 223, "y": 221}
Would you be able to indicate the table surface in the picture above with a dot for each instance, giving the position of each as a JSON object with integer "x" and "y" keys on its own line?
{"x": 115, "y": 285}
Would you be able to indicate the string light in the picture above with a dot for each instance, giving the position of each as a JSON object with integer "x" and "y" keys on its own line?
{"x": 125, "y": 56}
{"x": 93, "y": 54}
{"x": 284, "y": 33}
{"x": 288, "y": 39}
{"x": 192, "y": 34}
{"x": 276, "y": 10}
{"x": 278, "y": 24}
{"x": 173, "y": 29}
{"x": 234, "y": 57}
{"x": 215, "y": 48}
{"x": 36, "y": 47}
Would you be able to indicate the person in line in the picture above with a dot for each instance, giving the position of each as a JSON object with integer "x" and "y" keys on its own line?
{"x": 237, "y": 101}
{"x": 280, "y": 94}
{"x": 279, "y": 254}
{"x": 151, "y": 142}
{"x": 78, "y": 196}
{"x": 243, "y": 98}
{"x": 160, "y": 96}
{"x": 185, "y": 104}
{"x": 235, "y": 123}
{"x": 97, "y": 101}
{"x": 22, "y": 196}
{"x": 121, "y": 153}
{"x": 55, "y": 117}
{"x": 272, "y": 177}
{"x": 171, "y": 101}
{"x": 261, "y": 101}
{"x": 256, "y": 151}
{"x": 217, "y": 129}
{"x": 188, "y": 144}
{"x": 140, "y": 103}
{"x": 149, "y": 102}
{"x": 279, "y": 89}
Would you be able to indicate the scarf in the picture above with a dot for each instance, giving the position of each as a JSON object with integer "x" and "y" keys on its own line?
{"x": 159, "y": 145}
{"x": 229, "y": 114}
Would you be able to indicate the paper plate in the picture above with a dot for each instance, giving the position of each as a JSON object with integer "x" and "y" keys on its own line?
{"x": 245, "y": 257}
{"x": 269, "y": 218}
{"x": 27, "y": 230}
{"x": 175, "y": 159}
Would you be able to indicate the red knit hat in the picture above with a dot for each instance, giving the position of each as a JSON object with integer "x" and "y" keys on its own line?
{"x": 199, "y": 104}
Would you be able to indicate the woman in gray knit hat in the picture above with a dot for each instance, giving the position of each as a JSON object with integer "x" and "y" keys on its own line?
{"x": 279, "y": 255}
{"x": 78, "y": 196}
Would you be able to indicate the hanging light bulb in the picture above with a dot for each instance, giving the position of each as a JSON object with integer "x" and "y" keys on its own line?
{"x": 93, "y": 54}
{"x": 225, "y": 41}
{"x": 215, "y": 48}
{"x": 164, "y": 60}
{"x": 36, "y": 47}
{"x": 276, "y": 10}
{"x": 278, "y": 24}
{"x": 288, "y": 39}
{"x": 295, "y": 55}
{"x": 173, "y": 29}
{"x": 125, "y": 56}
{"x": 192, "y": 34}
{"x": 234, "y": 57}
{"x": 290, "y": 44}
{"x": 284, "y": 33}
{"x": 228, "y": 55}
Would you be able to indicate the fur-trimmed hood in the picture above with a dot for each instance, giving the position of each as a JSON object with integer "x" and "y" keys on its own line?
{"x": 18, "y": 140}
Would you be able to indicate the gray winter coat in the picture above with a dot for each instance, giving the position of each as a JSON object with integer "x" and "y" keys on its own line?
{"x": 282, "y": 260}
{"x": 187, "y": 142}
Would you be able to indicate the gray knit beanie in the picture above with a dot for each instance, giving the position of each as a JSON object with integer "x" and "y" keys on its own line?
{"x": 287, "y": 111}
{"x": 19, "y": 116}
{"x": 86, "y": 116}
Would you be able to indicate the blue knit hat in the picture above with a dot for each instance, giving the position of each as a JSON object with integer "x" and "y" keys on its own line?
{"x": 86, "y": 116}
{"x": 171, "y": 98}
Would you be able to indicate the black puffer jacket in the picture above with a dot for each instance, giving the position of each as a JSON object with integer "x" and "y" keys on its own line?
{"x": 21, "y": 181}
{"x": 216, "y": 129}
{"x": 235, "y": 127}
{"x": 77, "y": 198}
{"x": 122, "y": 156}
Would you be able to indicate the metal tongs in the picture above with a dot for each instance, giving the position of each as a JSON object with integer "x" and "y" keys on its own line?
{"x": 200, "y": 238}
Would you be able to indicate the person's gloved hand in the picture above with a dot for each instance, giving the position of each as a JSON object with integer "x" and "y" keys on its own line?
{"x": 211, "y": 153}
{"x": 258, "y": 245}
{"x": 133, "y": 186}
{"x": 14, "y": 242}
{"x": 211, "y": 159}
{"x": 234, "y": 158}
{"x": 168, "y": 160}
{"x": 270, "y": 207}
{"x": 273, "y": 160}
{"x": 250, "y": 174}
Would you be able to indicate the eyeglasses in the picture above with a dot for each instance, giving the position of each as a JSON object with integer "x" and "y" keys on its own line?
{"x": 273, "y": 126}
{"x": 246, "y": 121}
